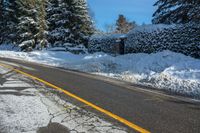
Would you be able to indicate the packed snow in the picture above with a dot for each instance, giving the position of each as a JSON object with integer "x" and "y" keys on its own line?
{"x": 9, "y": 47}
{"x": 166, "y": 70}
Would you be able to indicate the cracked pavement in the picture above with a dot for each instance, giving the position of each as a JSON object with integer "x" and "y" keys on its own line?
{"x": 29, "y": 106}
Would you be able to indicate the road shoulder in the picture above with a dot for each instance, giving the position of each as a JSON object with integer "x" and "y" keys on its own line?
{"x": 29, "y": 106}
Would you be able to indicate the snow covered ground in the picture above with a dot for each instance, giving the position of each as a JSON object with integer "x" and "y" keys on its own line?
{"x": 164, "y": 70}
{"x": 9, "y": 47}
{"x": 29, "y": 107}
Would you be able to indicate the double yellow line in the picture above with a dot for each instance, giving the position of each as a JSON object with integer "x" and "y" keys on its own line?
{"x": 118, "y": 118}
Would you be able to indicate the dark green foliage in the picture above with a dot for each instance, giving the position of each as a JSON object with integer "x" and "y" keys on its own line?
{"x": 31, "y": 28}
{"x": 32, "y": 23}
{"x": 57, "y": 17}
{"x": 27, "y": 27}
{"x": 180, "y": 38}
{"x": 8, "y": 21}
{"x": 1, "y": 21}
{"x": 80, "y": 24}
{"x": 177, "y": 11}
{"x": 42, "y": 24}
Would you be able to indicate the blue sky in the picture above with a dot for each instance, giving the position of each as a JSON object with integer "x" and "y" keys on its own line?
{"x": 107, "y": 11}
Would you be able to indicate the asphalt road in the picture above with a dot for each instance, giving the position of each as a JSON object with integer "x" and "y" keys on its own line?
{"x": 149, "y": 109}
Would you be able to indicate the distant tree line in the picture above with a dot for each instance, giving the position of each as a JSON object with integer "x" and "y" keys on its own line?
{"x": 36, "y": 24}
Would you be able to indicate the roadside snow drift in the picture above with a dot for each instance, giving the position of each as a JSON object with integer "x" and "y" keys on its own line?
{"x": 167, "y": 70}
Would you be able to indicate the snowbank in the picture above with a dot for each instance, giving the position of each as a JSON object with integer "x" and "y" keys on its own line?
{"x": 9, "y": 47}
{"x": 164, "y": 70}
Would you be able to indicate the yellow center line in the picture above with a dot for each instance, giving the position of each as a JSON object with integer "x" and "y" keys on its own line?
{"x": 108, "y": 113}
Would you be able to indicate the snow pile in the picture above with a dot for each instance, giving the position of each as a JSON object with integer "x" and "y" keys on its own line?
{"x": 9, "y": 47}
{"x": 72, "y": 48}
{"x": 166, "y": 70}
{"x": 76, "y": 49}
{"x": 104, "y": 43}
{"x": 154, "y": 38}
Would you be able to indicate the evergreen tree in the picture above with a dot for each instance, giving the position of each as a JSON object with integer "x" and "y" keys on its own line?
{"x": 25, "y": 22}
{"x": 80, "y": 24}
{"x": 123, "y": 26}
{"x": 27, "y": 27}
{"x": 31, "y": 28}
{"x": 8, "y": 21}
{"x": 1, "y": 21}
{"x": 57, "y": 17}
{"x": 177, "y": 11}
{"x": 42, "y": 24}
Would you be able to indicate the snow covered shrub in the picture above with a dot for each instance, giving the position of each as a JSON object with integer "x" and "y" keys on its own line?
{"x": 183, "y": 38}
{"x": 27, "y": 45}
{"x": 105, "y": 43}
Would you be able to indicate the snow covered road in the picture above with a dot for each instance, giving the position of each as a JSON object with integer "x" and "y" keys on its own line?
{"x": 28, "y": 106}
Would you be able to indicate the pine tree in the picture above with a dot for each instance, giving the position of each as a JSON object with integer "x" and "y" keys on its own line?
{"x": 69, "y": 22}
{"x": 11, "y": 21}
{"x": 8, "y": 21}
{"x": 42, "y": 24}
{"x": 25, "y": 22}
{"x": 1, "y": 21}
{"x": 27, "y": 27}
{"x": 177, "y": 11}
{"x": 123, "y": 26}
{"x": 31, "y": 28}
{"x": 57, "y": 17}
{"x": 80, "y": 24}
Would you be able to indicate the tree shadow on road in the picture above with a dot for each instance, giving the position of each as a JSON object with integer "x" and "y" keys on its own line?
{"x": 5, "y": 76}
{"x": 11, "y": 88}
{"x": 15, "y": 93}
